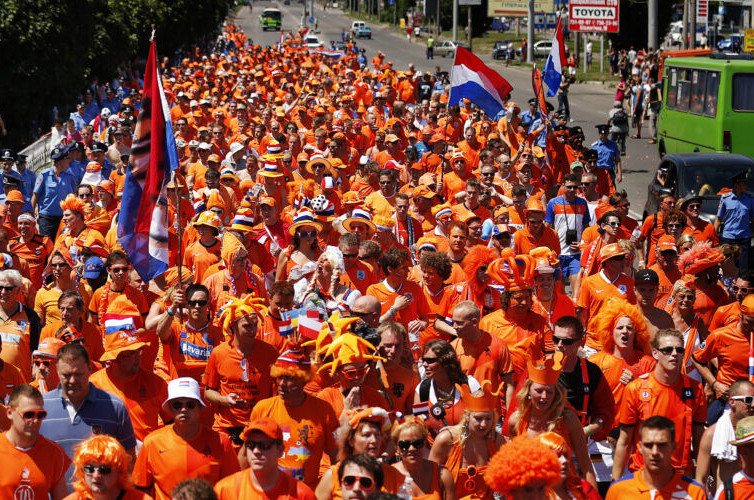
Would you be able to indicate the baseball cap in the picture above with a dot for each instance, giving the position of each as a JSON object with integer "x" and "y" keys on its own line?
{"x": 93, "y": 268}
{"x": 122, "y": 341}
{"x": 646, "y": 276}
{"x": 183, "y": 387}
{"x": 666, "y": 242}
{"x": 266, "y": 426}
{"x": 610, "y": 251}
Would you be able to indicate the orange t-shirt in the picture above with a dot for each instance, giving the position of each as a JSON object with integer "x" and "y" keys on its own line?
{"x": 34, "y": 472}
{"x": 240, "y": 485}
{"x": 359, "y": 277}
{"x": 707, "y": 301}
{"x": 401, "y": 382}
{"x": 460, "y": 211}
{"x": 560, "y": 305}
{"x": 379, "y": 205}
{"x": 652, "y": 229}
{"x": 418, "y": 307}
{"x": 635, "y": 488}
{"x": 10, "y": 377}
{"x": 683, "y": 403}
{"x": 612, "y": 368}
{"x": 452, "y": 184}
{"x": 528, "y": 338}
{"x": 706, "y": 233}
{"x": 129, "y": 494}
{"x": 594, "y": 293}
{"x": 725, "y": 315}
{"x": 308, "y": 433}
{"x": 441, "y": 305}
{"x": 143, "y": 396}
{"x": 369, "y": 397}
{"x": 730, "y": 348}
{"x": 35, "y": 252}
{"x": 16, "y": 342}
{"x": 198, "y": 258}
{"x": 743, "y": 487}
{"x": 93, "y": 340}
{"x": 229, "y": 371}
{"x": 166, "y": 459}
{"x": 187, "y": 351}
{"x": 667, "y": 280}
{"x": 486, "y": 359}
{"x": 98, "y": 305}
{"x": 269, "y": 332}
{"x": 524, "y": 241}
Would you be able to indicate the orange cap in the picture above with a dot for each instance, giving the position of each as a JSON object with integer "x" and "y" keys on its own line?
{"x": 266, "y": 426}
{"x": 612, "y": 250}
{"x": 747, "y": 306}
{"x": 116, "y": 343}
{"x": 666, "y": 242}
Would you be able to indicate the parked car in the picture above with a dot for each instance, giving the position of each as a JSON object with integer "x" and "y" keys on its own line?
{"x": 447, "y": 48}
{"x": 363, "y": 31}
{"x": 703, "y": 174}
{"x": 499, "y": 50}
{"x": 499, "y": 25}
{"x": 542, "y": 48}
{"x": 731, "y": 44}
{"x": 312, "y": 41}
{"x": 357, "y": 24}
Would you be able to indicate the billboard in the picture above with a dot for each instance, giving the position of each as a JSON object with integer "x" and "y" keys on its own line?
{"x": 597, "y": 16}
{"x": 517, "y": 8}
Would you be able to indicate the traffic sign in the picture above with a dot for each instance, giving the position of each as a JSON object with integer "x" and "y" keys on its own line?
{"x": 469, "y": 2}
{"x": 311, "y": 19}
{"x": 545, "y": 21}
{"x": 598, "y": 16}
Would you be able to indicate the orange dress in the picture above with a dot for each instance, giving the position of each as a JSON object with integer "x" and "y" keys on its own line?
{"x": 436, "y": 493}
{"x": 469, "y": 480}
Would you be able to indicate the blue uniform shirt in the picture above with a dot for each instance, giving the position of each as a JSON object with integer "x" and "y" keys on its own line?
{"x": 78, "y": 120}
{"x": 78, "y": 169}
{"x": 606, "y": 153}
{"x": 735, "y": 213}
{"x": 100, "y": 413}
{"x": 51, "y": 190}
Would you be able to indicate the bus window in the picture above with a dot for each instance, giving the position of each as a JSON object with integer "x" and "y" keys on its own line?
{"x": 710, "y": 104}
{"x": 672, "y": 89}
{"x": 743, "y": 97}
{"x": 698, "y": 80}
{"x": 684, "y": 90}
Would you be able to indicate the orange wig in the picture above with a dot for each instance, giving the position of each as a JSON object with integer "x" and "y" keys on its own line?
{"x": 610, "y": 314}
{"x": 477, "y": 257}
{"x": 521, "y": 462}
{"x": 559, "y": 445}
{"x": 100, "y": 450}
{"x": 74, "y": 204}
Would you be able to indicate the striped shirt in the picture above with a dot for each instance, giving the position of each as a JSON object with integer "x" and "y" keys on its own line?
{"x": 564, "y": 215}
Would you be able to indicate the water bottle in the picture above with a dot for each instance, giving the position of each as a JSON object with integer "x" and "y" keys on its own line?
{"x": 407, "y": 490}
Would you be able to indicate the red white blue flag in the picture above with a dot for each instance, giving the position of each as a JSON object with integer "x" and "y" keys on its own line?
{"x": 552, "y": 73}
{"x": 143, "y": 220}
{"x": 471, "y": 79}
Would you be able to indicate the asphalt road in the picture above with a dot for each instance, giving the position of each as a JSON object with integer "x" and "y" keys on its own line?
{"x": 590, "y": 103}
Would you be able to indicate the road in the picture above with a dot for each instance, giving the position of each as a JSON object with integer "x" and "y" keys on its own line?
{"x": 589, "y": 102}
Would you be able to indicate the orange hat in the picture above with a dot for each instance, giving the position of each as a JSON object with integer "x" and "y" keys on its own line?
{"x": 535, "y": 206}
{"x": 427, "y": 242}
{"x": 48, "y": 348}
{"x": 239, "y": 308}
{"x": 123, "y": 341}
{"x": 666, "y": 242}
{"x": 602, "y": 209}
{"x": 747, "y": 305}
{"x": 488, "y": 401}
{"x": 266, "y": 426}
{"x": 15, "y": 196}
{"x": 210, "y": 219}
{"x": 442, "y": 210}
{"x": 352, "y": 198}
{"x": 171, "y": 276}
{"x": 546, "y": 372}
{"x": 520, "y": 463}
{"x": 700, "y": 257}
{"x": 375, "y": 415}
{"x": 612, "y": 250}
{"x": 215, "y": 200}
{"x": 423, "y": 192}
{"x": 337, "y": 163}
{"x": 468, "y": 215}
{"x": 438, "y": 138}
{"x": 546, "y": 261}
{"x": 392, "y": 138}
{"x": 107, "y": 185}
{"x": 213, "y": 158}
{"x": 267, "y": 200}
{"x": 514, "y": 272}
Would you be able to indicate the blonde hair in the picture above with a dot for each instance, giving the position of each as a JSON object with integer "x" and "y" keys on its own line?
{"x": 554, "y": 413}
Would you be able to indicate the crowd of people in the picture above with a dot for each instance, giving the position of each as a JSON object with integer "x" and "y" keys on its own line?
{"x": 370, "y": 294}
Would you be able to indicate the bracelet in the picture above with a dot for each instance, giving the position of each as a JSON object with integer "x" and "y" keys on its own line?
{"x": 588, "y": 431}
{"x": 171, "y": 312}
{"x": 391, "y": 312}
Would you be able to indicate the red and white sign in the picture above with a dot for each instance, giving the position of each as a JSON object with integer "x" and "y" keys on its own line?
{"x": 596, "y": 16}
{"x": 702, "y": 11}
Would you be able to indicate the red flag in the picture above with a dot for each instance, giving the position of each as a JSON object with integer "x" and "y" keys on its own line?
{"x": 309, "y": 325}
{"x": 539, "y": 92}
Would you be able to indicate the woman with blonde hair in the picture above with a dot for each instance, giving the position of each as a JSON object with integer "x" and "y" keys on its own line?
{"x": 542, "y": 408}
{"x": 429, "y": 480}
{"x": 570, "y": 486}
{"x": 325, "y": 293}
{"x": 684, "y": 243}
{"x": 687, "y": 321}
{"x": 625, "y": 350}
{"x": 101, "y": 470}
{"x": 466, "y": 448}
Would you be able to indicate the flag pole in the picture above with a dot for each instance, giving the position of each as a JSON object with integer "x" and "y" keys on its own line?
{"x": 445, "y": 128}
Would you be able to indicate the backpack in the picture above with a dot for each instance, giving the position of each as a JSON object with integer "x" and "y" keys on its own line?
{"x": 620, "y": 118}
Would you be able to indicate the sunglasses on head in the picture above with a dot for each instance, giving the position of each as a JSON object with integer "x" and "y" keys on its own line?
{"x": 102, "y": 469}
{"x": 418, "y": 444}
{"x": 563, "y": 340}
{"x": 179, "y": 405}
{"x": 350, "y": 481}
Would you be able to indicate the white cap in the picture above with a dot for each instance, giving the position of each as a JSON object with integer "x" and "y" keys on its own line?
{"x": 184, "y": 387}
{"x": 235, "y": 147}
{"x": 363, "y": 160}
{"x": 204, "y": 145}
{"x": 180, "y": 143}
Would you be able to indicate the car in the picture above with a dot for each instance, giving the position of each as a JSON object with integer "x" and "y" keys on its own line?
{"x": 499, "y": 25}
{"x": 339, "y": 45}
{"x": 363, "y": 32}
{"x": 500, "y": 50}
{"x": 702, "y": 174}
{"x": 447, "y": 48}
{"x": 356, "y": 25}
{"x": 312, "y": 41}
{"x": 271, "y": 18}
{"x": 731, "y": 44}
{"x": 542, "y": 48}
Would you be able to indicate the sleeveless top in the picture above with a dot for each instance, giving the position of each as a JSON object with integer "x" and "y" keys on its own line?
{"x": 469, "y": 480}
{"x": 436, "y": 493}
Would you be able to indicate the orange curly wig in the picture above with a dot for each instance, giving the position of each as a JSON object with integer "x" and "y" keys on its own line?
{"x": 74, "y": 204}
{"x": 701, "y": 256}
{"x": 521, "y": 462}
{"x": 100, "y": 450}
{"x": 609, "y": 315}
{"x": 477, "y": 257}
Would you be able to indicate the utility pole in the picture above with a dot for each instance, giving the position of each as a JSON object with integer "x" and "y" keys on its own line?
{"x": 455, "y": 20}
{"x": 468, "y": 24}
{"x": 685, "y": 27}
{"x": 692, "y": 24}
{"x": 530, "y": 34}
{"x": 652, "y": 25}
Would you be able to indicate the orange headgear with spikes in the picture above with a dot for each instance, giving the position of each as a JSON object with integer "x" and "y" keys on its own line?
{"x": 349, "y": 348}
{"x": 514, "y": 272}
{"x": 238, "y": 308}
{"x": 489, "y": 401}
{"x": 74, "y": 204}
{"x": 546, "y": 372}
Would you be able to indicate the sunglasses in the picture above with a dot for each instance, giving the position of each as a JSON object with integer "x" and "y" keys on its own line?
{"x": 261, "y": 445}
{"x": 619, "y": 258}
{"x": 354, "y": 374}
{"x": 488, "y": 174}
{"x": 7, "y": 288}
{"x": 418, "y": 444}
{"x": 102, "y": 469}
{"x": 748, "y": 400}
{"x": 119, "y": 269}
{"x": 696, "y": 206}
{"x": 308, "y": 234}
{"x": 197, "y": 303}
{"x": 613, "y": 224}
{"x": 429, "y": 361}
{"x": 350, "y": 481}
{"x": 588, "y": 183}
{"x": 667, "y": 351}
{"x": 178, "y": 405}
{"x": 744, "y": 290}
{"x": 46, "y": 362}
{"x": 32, "y": 414}
{"x": 564, "y": 340}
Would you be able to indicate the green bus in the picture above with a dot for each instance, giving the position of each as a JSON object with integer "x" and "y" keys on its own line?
{"x": 707, "y": 105}
{"x": 271, "y": 18}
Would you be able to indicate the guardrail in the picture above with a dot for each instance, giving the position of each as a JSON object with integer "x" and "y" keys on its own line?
{"x": 38, "y": 153}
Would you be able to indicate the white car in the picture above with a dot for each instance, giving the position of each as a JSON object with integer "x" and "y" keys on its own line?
{"x": 312, "y": 41}
{"x": 447, "y": 48}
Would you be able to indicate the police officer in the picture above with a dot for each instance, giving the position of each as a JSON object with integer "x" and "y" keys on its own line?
{"x": 735, "y": 215}
{"x": 53, "y": 185}
{"x": 78, "y": 160}
{"x": 608, "y": 154}
{"x": 8, "y": 160}
{"x": 28, "y": 179}
{"x": 99, "y": 150}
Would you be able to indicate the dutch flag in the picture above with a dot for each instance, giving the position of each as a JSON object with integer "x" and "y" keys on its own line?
{"x": 552, "y": 73}
{"x": 471, "y": 79}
